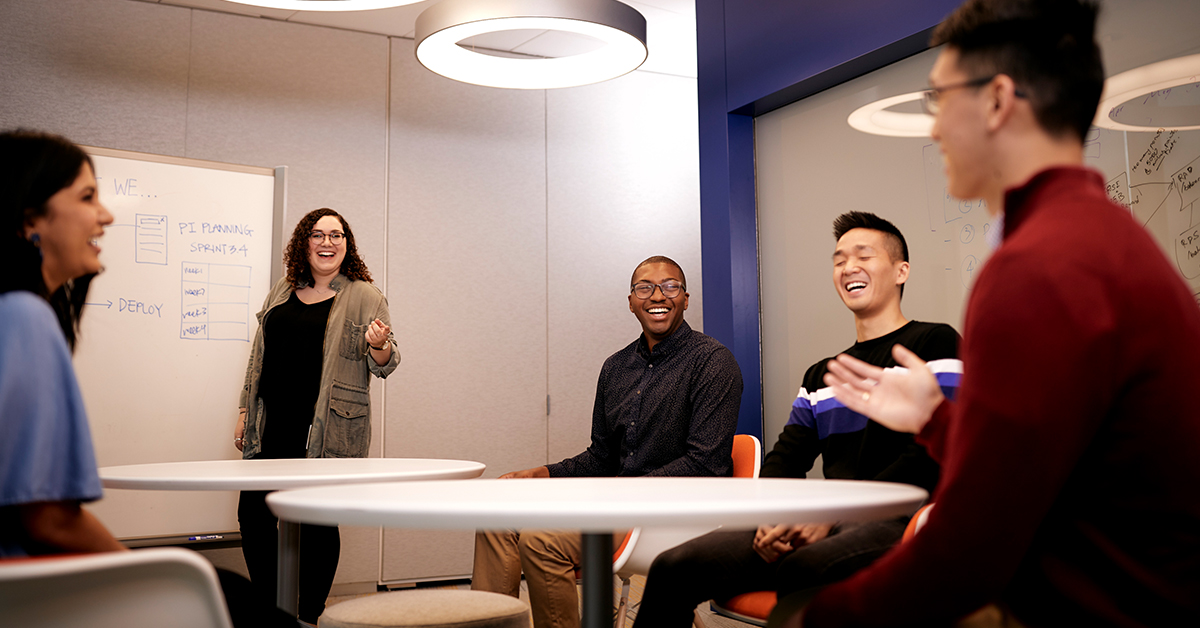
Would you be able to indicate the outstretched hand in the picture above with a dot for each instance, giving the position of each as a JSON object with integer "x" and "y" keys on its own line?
{"x": 899, "y": 399}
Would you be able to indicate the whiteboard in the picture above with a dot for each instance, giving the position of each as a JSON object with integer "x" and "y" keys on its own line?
{"x": 812, "y": 166}
{"x": 189, "y": 258}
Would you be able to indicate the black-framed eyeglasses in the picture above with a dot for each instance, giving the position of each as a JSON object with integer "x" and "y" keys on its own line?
{"x": 335, "y": 238}
{"x": 670, "y": 289}
{"x": 929, "y": 97}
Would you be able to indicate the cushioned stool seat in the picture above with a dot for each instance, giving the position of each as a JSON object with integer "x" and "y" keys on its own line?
{"x": 429, "y": 608}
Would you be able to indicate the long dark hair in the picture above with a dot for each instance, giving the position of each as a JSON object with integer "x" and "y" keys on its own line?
{"x": 33, "y": 167}
{"x": 295, "y": 256}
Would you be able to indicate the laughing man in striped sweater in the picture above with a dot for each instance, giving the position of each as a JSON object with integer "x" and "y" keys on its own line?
{"x": 870, "y": 267}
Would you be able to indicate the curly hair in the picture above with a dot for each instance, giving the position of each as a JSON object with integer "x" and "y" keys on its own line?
{"x": 295, "y": 256}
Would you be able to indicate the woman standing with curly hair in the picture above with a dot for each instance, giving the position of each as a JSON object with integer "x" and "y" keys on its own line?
{"x": 323, "y": 330}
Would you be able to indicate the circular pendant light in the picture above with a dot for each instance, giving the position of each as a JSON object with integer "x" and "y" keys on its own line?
{"x": 874, "y": 118}
{"x": 1163, "y": 95}
{"x": 326, "y": 5}
{"x": 618, "y": 26}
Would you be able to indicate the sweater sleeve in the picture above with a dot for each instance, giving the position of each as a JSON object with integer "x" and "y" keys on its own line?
{"x": 1026, "y": 411}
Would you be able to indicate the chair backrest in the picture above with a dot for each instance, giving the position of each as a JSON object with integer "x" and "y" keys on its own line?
{"x": 917, "y": 522}
{"x": 149, "y": 587}
{"x": 747, "y": 456}
{"x": 643, "y": 545}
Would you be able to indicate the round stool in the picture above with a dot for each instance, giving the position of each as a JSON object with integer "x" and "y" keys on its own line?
{"x": 429, "y": 608}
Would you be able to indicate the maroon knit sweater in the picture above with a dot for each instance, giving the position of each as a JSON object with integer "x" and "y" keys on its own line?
{"x": 1070, "y": 489}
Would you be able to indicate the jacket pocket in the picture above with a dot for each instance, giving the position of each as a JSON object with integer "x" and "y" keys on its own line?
{"x": 353, "y": 344}
{"x": 348, "y": 426}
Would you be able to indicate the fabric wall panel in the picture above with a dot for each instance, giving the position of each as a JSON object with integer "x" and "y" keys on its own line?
{"x": 467, "y": 282}
{"x": 106, "y": 73}
{"x": 623, "y": 183}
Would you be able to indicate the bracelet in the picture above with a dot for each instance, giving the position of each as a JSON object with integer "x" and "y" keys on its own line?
{"x": 377, "y": 348}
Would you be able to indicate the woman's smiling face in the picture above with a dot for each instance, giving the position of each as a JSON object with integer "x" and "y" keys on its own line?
{"x": 325, "y": 257}
{"x": 69, "y": 231}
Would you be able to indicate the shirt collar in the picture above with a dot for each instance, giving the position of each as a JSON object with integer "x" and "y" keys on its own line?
{"x": 667, "y": 346}
{"x": 1019, "y": 201}
{"x": 337, "y": 283}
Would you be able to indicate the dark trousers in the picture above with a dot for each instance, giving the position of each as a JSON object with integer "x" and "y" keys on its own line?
{"x": 722, "y": 564}
{"x": 246, "y": 607}
{"x": 320, "y": 548}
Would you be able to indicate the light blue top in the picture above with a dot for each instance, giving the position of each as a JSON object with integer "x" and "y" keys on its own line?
{"x": 45, "y": 445}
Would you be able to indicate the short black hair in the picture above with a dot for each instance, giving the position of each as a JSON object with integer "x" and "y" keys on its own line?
{"x": 895, "y": 243}
{"x": 1047, "y": 47}
{"x": 659, "y": 259}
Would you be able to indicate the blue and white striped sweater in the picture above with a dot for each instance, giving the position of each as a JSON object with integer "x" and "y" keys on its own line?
{"x": 821, "y": 411}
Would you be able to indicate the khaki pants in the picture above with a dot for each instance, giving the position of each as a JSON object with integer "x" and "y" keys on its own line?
{"x": 548, "y": 558}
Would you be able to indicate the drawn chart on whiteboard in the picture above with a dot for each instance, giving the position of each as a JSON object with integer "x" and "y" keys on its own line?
{"x": 166, "y": 334}
{"x": 1159, "y": 186}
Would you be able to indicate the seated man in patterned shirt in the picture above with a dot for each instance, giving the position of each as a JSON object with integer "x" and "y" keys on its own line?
{"x": 666, "y": 405}
{"x": 870, "y": 268}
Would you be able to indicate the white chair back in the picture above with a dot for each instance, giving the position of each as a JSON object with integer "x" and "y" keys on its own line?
{"x": 149, "y": 587}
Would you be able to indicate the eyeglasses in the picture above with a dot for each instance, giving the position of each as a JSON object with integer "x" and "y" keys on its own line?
{"x": 318, "y": 237}
{"x": 929, "y": 97}
{"x": 670, "y": 289}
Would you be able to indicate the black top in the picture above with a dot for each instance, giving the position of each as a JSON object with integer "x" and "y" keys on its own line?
{"x": 672, "y": 412}
{"x": 853, "y": 447}
{"x": 293, "y": 351}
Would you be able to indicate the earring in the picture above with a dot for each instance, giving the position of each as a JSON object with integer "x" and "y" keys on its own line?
{"x": 36, "y": 241}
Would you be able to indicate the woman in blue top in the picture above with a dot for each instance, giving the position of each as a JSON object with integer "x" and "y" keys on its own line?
{"x": 51, "y": 222}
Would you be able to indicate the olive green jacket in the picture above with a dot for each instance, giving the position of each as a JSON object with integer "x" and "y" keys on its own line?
{"x": 341, "y": 424}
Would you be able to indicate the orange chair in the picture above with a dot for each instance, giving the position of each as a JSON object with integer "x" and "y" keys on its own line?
{"x": 917, "y": 522}
{"x": 754, "y": 607}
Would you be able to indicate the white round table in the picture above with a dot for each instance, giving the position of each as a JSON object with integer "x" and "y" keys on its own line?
{"x": 269, "y": 475}
{"x": 597, "y": 506}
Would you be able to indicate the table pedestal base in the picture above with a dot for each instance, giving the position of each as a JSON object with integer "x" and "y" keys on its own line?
{"x": 287, "y": 573}
{"x": 597, "y": 580}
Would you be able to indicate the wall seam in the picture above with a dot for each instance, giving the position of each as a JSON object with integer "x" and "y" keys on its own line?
{"x": 387, "y": 214}
{"x": 187, "y": 92}
{"x": 546, "y": 201}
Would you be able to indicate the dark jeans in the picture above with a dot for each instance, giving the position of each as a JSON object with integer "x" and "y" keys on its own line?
{"x": 722, "y": 564}
{"x": 247, "y": 609}
{"x": 320, "y": 547}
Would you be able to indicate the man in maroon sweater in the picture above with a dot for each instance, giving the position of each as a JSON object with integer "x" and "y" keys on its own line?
{"x": 1070, "y": 491}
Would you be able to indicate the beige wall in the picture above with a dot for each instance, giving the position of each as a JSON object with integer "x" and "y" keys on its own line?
{"x": 502, "y": 225}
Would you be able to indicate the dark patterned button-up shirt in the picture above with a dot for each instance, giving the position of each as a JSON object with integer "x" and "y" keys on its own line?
{"x": 670, "y": 412}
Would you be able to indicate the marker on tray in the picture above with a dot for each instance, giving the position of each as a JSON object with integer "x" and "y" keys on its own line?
{"x": 206, "y": 537}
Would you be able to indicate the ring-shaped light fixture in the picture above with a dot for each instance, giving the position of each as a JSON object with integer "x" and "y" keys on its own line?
{"x": 1145, "y": 80}
{"x": 618, "y": 25}
{"x": 326, "y": 5}
{"x": 875, "y": 119}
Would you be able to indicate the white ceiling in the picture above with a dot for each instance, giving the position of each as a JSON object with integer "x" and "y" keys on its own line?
{"x": 670, "y": 29}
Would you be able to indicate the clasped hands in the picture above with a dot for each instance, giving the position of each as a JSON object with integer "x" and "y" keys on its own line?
{"x": 771, "y": 542}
